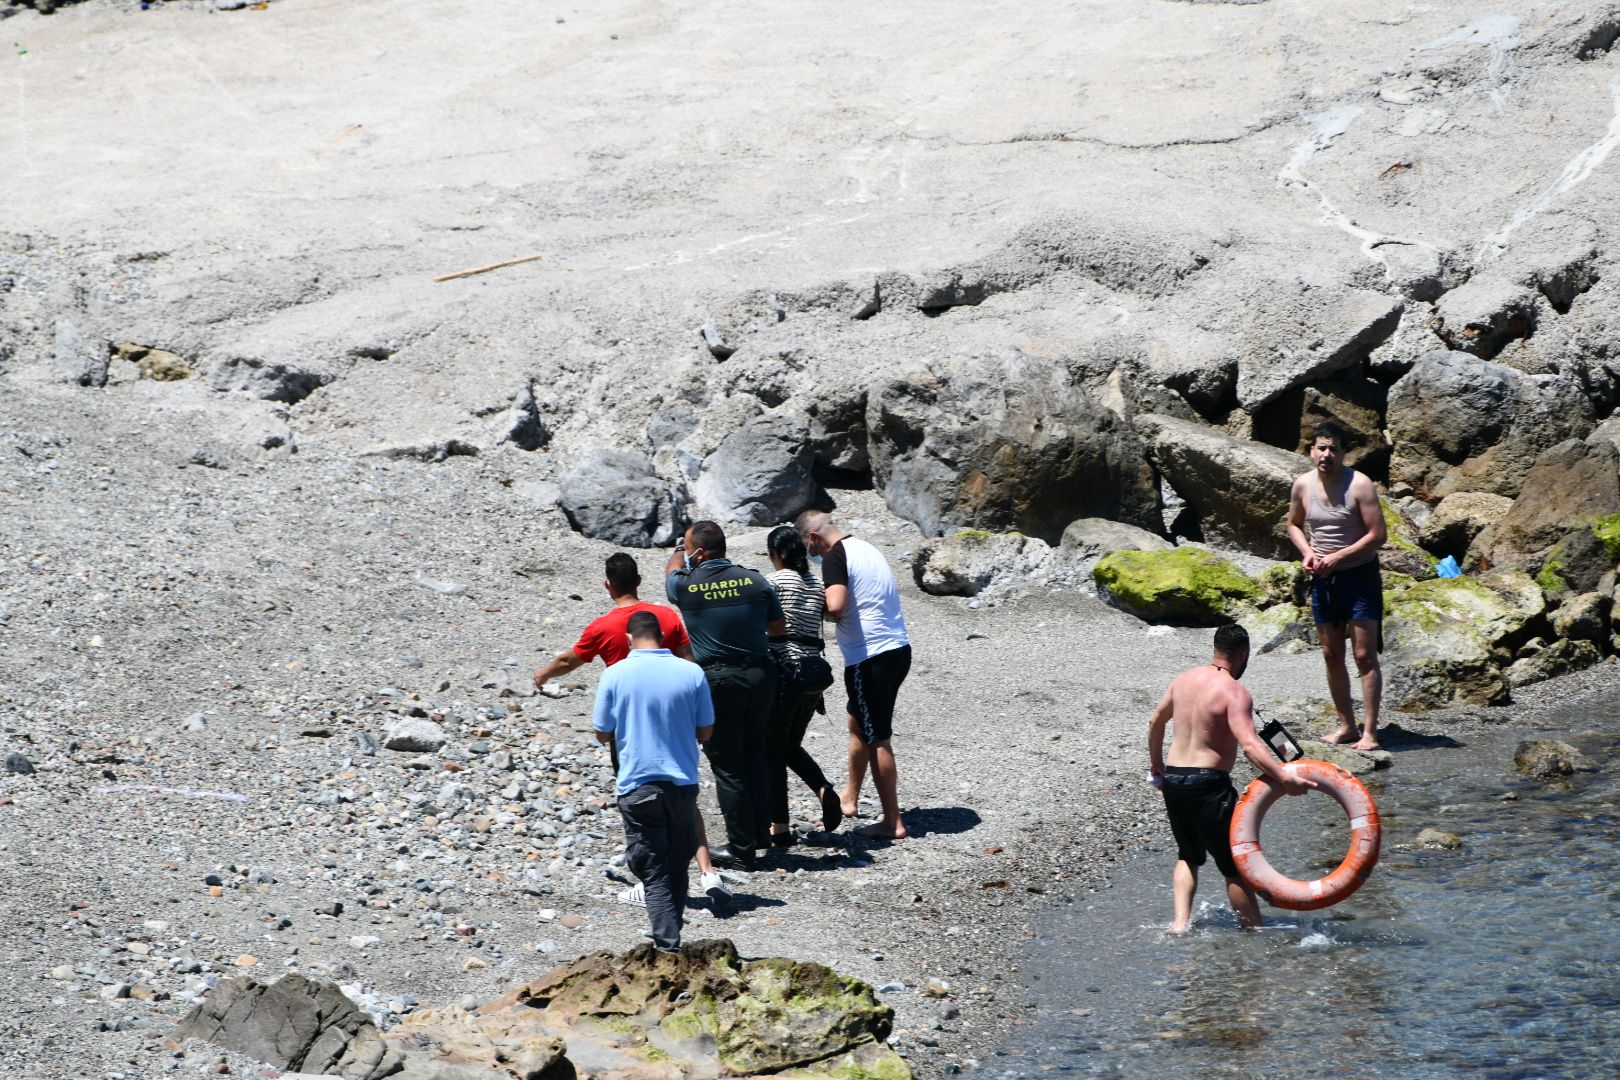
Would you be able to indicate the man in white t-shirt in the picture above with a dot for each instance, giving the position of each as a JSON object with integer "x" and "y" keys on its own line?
{"x": 864, "y": 607}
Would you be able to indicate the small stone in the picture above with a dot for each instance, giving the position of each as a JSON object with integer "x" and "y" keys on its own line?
{"x": 247, "y": 960}
{"x": 213, "y": 879}
{"x": 572, "y": 921}
{"x": 415, "y": 736}
{"x": 546, "y": 914}
{"x": 473, "y": 963}
{"x": 18, "y": 765}
{"x": 139, "y": 948}
{"x": 216, "y": 890}
{"x": 1438, "y": 838}
{"x": 482, "y": 824}
{"x": 64, "y": 973}
{"x": 892, "y": 988}
{"x": 362, "y": 941}
{"x": 114, "y": 991}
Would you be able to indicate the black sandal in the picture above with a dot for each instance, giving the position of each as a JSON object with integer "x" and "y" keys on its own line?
{"x": 832, "y": 810}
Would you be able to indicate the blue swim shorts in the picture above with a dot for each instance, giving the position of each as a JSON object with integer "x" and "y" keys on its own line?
{"x": 1356, "y": 593}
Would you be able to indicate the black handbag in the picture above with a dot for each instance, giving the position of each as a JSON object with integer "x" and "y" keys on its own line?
{"x": 808, "y": 674}
{"x": 811, "y": 674}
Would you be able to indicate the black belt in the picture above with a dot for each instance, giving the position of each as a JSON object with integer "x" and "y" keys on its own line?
{"x": 752, "y": 661}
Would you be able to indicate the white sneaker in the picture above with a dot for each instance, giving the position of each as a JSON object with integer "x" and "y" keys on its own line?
{"x": 714, "y": 888}
{"x": 635, "y": 894}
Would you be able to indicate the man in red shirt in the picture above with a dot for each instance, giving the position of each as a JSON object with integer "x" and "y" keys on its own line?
{"x": 608, "y": 637}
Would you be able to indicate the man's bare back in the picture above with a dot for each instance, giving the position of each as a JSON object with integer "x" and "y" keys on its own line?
{"x": 1212, "y": 716}
{"x": 1203, "y": 701}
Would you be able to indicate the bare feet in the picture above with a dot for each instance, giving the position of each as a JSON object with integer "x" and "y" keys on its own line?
{"x": 878, "y": 830}
{"x": 849, "y": 806}
{"x": 1179, "y": 928}
{"x": 1369, "y": 743}
{"x": 1340, "y": 737}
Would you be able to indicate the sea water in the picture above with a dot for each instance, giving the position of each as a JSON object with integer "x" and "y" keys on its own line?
{"x": 1497, "y": 959}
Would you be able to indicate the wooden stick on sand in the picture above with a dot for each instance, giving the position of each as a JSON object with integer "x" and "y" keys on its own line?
{"x": 485, "y": 269}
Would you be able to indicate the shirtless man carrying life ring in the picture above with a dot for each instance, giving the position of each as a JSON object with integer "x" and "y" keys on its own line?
{"x": 1213, "y": 716}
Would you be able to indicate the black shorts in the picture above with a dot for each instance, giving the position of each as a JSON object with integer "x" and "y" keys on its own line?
{"x": 1199, "y": 803}
{"x": 1349, "y": 595}
{"x": 872, "y": 685}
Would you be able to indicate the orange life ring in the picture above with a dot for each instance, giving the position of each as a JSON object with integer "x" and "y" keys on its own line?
{"x": 1287, "y": 892}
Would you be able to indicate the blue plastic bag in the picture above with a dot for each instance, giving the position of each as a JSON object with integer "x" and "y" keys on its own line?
{"x": 1447, "y": 567}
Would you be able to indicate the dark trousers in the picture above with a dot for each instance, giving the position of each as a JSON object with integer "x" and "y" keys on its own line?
{"x": 661, "y": 836}
{"x": 788, "y": 724}
{"x": 743, "y": 696}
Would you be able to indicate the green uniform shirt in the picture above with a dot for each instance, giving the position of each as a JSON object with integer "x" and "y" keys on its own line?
{"x": 726, "y": 608}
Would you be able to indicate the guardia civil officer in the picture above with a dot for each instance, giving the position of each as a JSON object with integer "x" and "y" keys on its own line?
{"x": 731, "y": 612}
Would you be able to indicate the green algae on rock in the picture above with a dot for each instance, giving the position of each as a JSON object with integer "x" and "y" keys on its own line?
{"x": 1187, "y": 586}
{"x": 1446, "y": 637}
{"x": 703, "y": 1011}
{"x": 1401, "y": 552}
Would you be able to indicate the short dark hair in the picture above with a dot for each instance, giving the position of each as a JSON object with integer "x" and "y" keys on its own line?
{"x": 1231, "y": 640}
{"x": 1328, "y": 429}
{"x": 644, "y": 624}
{"x": 709, "y": 536}
{"x": 622, "y": 573}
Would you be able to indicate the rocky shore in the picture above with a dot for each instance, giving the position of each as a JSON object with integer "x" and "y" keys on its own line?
{"x": 332, "y": 365}
{"x": 218, "y": 661}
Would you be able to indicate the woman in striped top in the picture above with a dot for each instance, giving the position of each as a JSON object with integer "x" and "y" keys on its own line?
{"x": 797, "y": 656}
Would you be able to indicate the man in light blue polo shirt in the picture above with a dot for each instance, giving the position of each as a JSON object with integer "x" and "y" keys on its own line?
{"x": 656, "y": 708}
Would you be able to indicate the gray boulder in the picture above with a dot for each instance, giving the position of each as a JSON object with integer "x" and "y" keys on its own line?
{"x": 80, "y": 357}
{"x": 1321, "y": 331}
{"x": 1550, "y": 759}
{"x": 1444, "y": 636}
{"x": 1583, "y": 618}
{"x": 1460, "y": 517}
{"x": 1355, "y": 762}
{"x": 1459, "y": 423}
{"x": 970, "y": 561}
{"x": 1236, "y": 489}
{"x": 295, "y": 1023}
{"x": 521, "y": 425}
{"x": 414, "y": 735}
{"x": 265, "y": 379}
{"x": 1572, "y": 485}
{"x": 1005, "y": 443}
{"x": 615, "y": 495}
{"x": 836, "y": 416}
{"x": 1284, "y": 627}
{"x": 1439, "y": 838}
{"x": 1099, "y": 536}
{"x": 760, "y": 475}
{"x": 1559, "y": 658}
